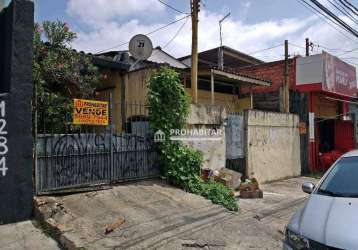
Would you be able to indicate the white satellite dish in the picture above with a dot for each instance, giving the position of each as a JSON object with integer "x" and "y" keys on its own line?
{"x": 140, "y": 47}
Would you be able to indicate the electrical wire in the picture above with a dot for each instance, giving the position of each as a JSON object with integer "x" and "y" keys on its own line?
{"x": 342, "y": 23}
{"x": 355, "y": 8}
{"x": 176, "y": 34}
{"x": 275, "y": 46}
{"x": 344, "y": 12}
{"x": 349, "y": 6}
{"x": 147, "y": 34}
{"x": 172, "y": 8}
{"x": 324, "y": 18}
{"x": 297, "y": 46}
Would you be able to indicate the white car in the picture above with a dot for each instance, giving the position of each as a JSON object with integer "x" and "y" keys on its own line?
{"x": 329, "y": 217}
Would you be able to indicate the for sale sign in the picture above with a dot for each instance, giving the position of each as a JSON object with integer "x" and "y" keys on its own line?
{"x": 90, "y": 112}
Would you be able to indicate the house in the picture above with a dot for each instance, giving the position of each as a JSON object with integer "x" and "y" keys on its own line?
{"x": 226, "y": 80}
{"x": 215, "y": 86}
{"x": 217, "y": 93}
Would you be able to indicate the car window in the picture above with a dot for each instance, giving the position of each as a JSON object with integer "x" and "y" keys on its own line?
{"x": 342, "y": 179}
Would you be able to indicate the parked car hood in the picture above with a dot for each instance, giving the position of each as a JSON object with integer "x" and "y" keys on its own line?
{"x": 332, "y": 221}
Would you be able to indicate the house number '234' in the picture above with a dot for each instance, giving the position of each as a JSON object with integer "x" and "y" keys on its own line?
{"x": 3, "y": 140}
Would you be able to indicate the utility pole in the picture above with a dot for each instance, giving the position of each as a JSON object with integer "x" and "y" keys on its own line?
{"x": 286, "y": 82}
{"x": 221, "y": 52}
{"x": 307, "y": 47}
{"x": 194, "y": 49}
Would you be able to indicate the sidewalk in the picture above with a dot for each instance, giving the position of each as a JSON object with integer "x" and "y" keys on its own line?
{"x": 25, "y": 236}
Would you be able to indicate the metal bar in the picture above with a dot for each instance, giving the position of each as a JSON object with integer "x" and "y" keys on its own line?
{"x": 212, "y": 88}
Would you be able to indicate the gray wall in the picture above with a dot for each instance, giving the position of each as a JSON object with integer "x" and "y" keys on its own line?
{"x": 273, "y": 145}
{"x": 309, "y": 69}
{"x": 16, "y": 186}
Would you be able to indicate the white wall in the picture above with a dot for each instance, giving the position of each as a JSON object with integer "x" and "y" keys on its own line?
{"x": 273, "y": 145}
{"x": 309, "y": 69}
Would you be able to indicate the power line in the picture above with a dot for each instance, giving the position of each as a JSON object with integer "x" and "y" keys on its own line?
{"x": 341, "y": 9}
{"x": 255, "y": 52}
{"x": 297, "y": 46}
{"x": 337, "y": 50}
{"x": 172, "y": 8}
{"x": 349, "y": 6}
{"x": 355, "y": 8}
{"x": 147, "y": 34}
{"x": 323, "y": 17}
{"x": 176, "y": 34}
{"x": 335, "y": 17}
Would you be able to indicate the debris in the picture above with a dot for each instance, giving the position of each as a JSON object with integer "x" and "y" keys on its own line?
{"x": 232, "y": 178}
{"x": 257, "y": 217}
{"x": 250, "y": 189}
{"x": 91, "y": 194}
{"x": 201, "y": 245}
{"x": 110, "y": 228}
{"x": 206, "y": 173}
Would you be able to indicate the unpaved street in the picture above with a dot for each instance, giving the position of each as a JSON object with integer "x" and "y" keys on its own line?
{"x": 158, "y": 216}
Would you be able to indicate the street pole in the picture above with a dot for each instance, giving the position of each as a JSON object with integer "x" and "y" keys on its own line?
{"x": 307, "y": 47}
{"x": 286, "y": 82}
{"x": 194, "y": 49}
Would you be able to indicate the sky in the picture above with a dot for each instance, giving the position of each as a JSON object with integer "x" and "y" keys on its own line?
{"x": 253, "y": 25}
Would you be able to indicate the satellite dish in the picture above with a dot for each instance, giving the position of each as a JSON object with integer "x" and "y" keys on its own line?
{"x": 140, "y": 47}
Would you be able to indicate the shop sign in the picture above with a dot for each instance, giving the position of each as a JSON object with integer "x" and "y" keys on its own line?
{"x": 90, "y": 112}
{"x": 339, "y": 76}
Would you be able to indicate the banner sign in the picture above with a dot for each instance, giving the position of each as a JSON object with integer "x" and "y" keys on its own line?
{"x": 339, "y": 76}
{"x": 90, "y": 112}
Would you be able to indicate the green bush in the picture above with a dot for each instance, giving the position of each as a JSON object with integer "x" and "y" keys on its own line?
{"x": 214, "y": 191}
{"x": 169, "y": 107}
{"x": 182, "y": 164}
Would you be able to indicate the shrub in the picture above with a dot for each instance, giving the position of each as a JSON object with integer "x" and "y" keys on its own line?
{"x": 169, "y": 107}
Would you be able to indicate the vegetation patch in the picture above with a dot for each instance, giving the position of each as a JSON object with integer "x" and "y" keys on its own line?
{"x": 169, "y": 108}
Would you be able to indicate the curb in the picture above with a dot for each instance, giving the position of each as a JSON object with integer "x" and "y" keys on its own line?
{"x": 49, "y": 225}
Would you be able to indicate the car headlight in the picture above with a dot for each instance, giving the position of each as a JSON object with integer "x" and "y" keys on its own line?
{"x": 296, "y": 241}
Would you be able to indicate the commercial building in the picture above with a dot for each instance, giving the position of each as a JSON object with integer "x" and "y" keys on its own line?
{"x": 321, "y": 88}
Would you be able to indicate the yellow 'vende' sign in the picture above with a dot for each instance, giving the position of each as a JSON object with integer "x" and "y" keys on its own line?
{"x": 90, "y": 112}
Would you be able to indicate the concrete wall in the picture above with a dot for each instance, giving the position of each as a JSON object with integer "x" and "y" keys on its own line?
{"x": 208, "y": 117}
{"x": 273, "y": 145}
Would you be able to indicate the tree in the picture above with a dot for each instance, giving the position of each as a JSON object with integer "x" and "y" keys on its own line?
{"x": 60, "y": 74}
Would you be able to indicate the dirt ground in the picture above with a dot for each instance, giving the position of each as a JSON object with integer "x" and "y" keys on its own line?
{"x": 158, "y": 216}
{"x": 25, "y": 236}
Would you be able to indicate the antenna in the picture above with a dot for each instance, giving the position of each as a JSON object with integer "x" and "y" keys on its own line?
{"x": 221, "y": 52}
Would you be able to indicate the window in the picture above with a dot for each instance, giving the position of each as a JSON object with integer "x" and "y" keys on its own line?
{"x": 342, "y": 179}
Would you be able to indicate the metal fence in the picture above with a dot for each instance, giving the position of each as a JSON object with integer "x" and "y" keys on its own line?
{"x": 83, "y": 156}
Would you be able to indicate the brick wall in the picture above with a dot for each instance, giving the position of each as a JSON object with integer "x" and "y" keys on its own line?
{"x": 273, "y": 71}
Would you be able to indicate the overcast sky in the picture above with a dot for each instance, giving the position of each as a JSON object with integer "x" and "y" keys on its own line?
{"x": 253, "y": 25}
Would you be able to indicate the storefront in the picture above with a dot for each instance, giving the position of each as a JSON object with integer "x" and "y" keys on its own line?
{"x": 331, "y": 87}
